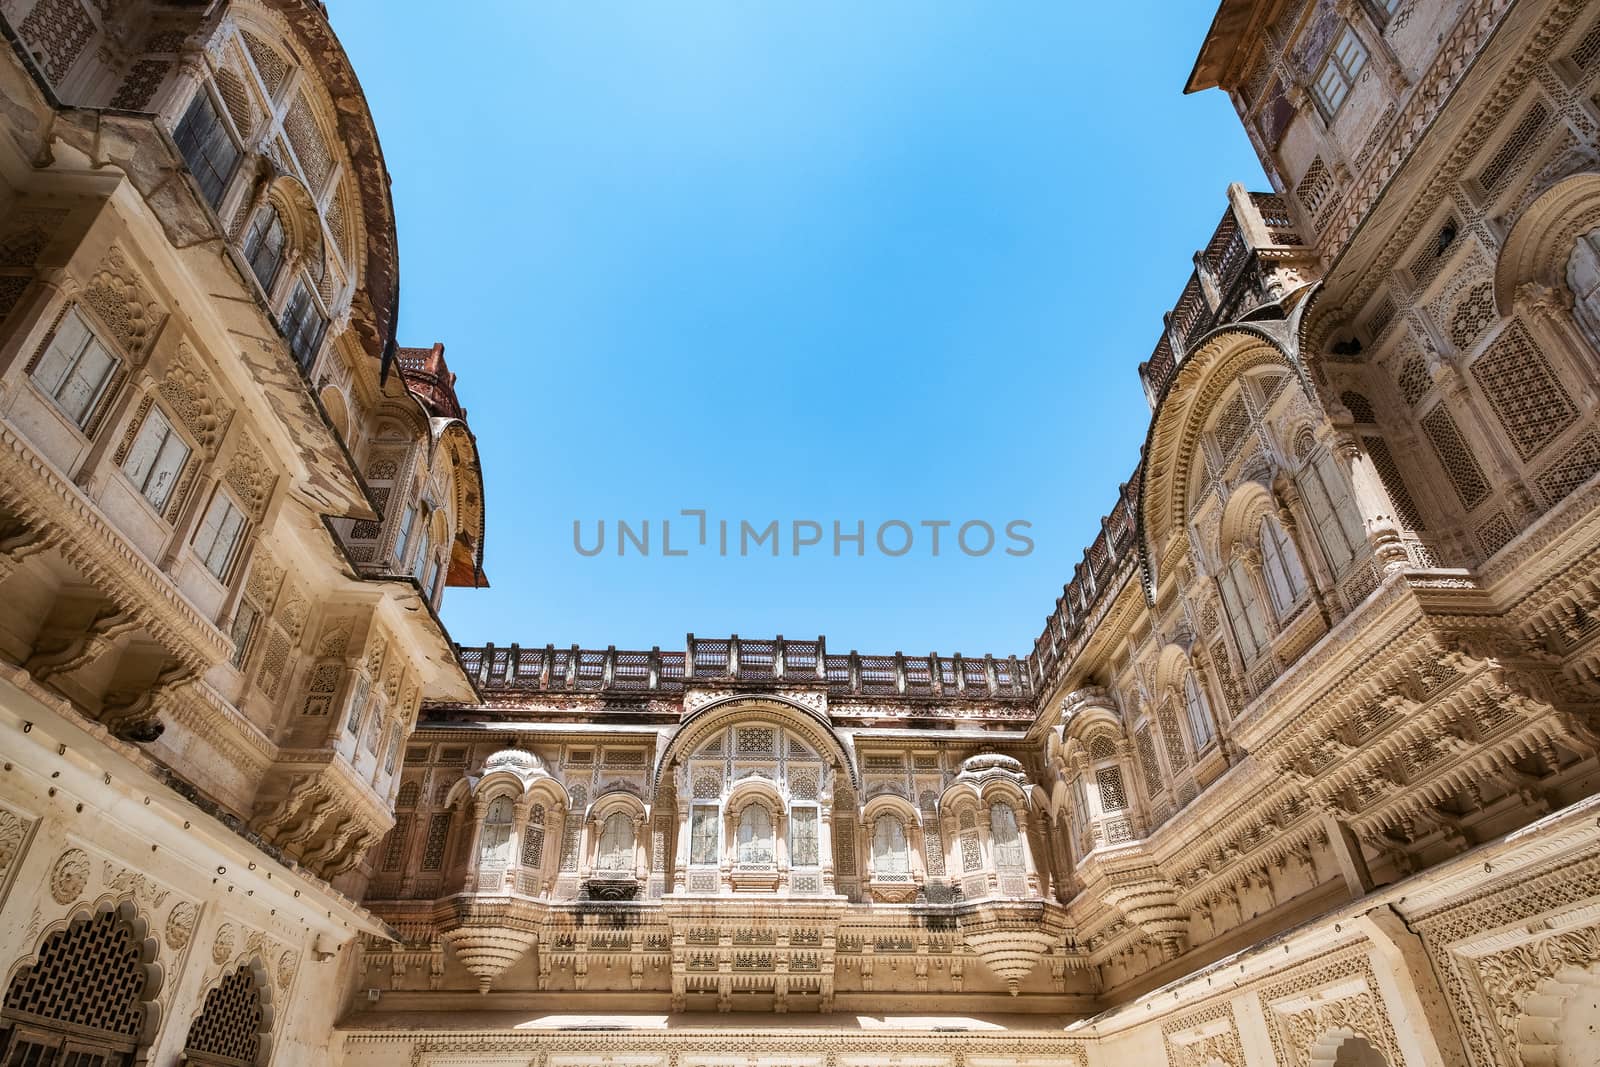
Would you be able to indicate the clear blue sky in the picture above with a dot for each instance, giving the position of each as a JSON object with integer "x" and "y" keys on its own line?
{"x": 830, "y": 261}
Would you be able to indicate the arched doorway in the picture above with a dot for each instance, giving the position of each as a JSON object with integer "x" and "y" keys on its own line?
{"x": 84, "y": 1000}
{"x": 233, "y": 1028}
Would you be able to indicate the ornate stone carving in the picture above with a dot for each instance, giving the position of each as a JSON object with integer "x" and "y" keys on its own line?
{"x": 69, "y": 876}
{"x": 180, "y": 925}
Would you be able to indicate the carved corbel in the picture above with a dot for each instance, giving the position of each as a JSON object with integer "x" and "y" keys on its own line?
{"x": 18, "y": 542}
{"x": 63, "y": 653}
{"x": 132, "y": 714}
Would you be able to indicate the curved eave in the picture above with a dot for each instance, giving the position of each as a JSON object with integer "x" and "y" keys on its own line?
{"x": 466, "y": 573}
{"x": 375, "y": 311}
{"x": 1257, "y": 330}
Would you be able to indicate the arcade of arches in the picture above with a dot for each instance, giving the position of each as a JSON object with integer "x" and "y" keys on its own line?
{"x": 1303, "y": 768}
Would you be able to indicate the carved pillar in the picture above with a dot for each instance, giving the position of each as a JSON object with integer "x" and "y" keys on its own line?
{"x": 919, "y": 866}
{"x": 519, "y": 834}
{"x": 1481, "y": 428}
{"x": 1548, "y": 313}
{"x": 1024, "y": 818}
{"x": 825, "y": 840}
{"x": 641, "y": 848}
{"x": 479, "y": 810}
{"x": 780, "y": 842}
{"x": 550, "y": 859}
{"x": 991, "y": 870}
{"x": 680, "y": 859}
{"x": 1372, "y": 500}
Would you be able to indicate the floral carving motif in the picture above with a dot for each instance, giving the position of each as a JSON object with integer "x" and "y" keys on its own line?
{"x": 180, "y": 925}
{"x": 69, "y": 875}
{"x": 222, "y": 944}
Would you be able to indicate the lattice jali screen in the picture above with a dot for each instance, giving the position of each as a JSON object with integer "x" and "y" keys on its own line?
{"x": 1413, "y": 378}
{"x": 1232, "y": 425}
{"x": 1315, "y": 188}
{"x": 1112, "y": 794}
{"x": 1577, "y": 465}
{"x": 1456, "y": 457}
{"x": 228, "y": 1029}
{"x": 1532, "y": 405}
{"x": 1173, "y": 737}
{"x": 1147, "y": 761}
{"x": 88, "y": 975}
{"x": 1518, "y": 146}
{"x": 1360, "y": 407}
{"x": 1472, "y": 315}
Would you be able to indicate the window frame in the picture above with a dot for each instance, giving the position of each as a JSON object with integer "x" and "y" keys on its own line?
{"x": 1346, "y": 64}
{"x": 1194, "y": 693}
{"x": 293, "y": 328}
{"x": 172, "y": 434}
{"x": 254, "y": 232}
{"x": 84, "y": 421}
{"x": 1281, "y": 580}
{"x": 712, "y": 811}
{"x": 223, "y": 122}
{"x": 235, "y": 549}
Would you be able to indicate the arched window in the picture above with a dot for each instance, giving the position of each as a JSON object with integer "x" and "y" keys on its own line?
{"x": 82, "y": 1001}
{"x": 1007, "y": 842}
{"x": 1199, "y": 709}
{"x": 891, "y": 855}
{"x": 264, "y": 245}
{"x": 1280, "y": 563}
{"x": 533, "y": 840}
{"x": 227, "y": 1032}
{"x": 755, "y": 836}
{"x": 495, "y": 847}
{"x": 615, "y": 851}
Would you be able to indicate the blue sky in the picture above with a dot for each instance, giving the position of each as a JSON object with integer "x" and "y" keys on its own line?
{"x": 821, "y": 261}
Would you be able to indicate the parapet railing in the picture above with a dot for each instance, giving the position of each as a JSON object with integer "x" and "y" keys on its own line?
{"x": 749, "y": 663}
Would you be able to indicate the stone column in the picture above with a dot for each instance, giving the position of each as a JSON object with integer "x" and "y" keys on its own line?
{"x": 519, "y": 834}
{"x": 1548, "y": 313}
{"x": 1372, "y": 500}
{"x": 825, "y": 841}
{"x": 641, "y": 849}
{"x": 1030, "y": 870}
{"x": 918, "y": 843}
{"x": 680, "y": 861}
{"x": 991, "y": 870}
{"x": 550, "y": 861}
{"x": 780, "y": 841}
{"x": 479, "y": 811}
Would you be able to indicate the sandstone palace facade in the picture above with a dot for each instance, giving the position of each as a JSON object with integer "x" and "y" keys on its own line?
{"x": 1301, "y": 770}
